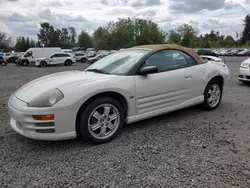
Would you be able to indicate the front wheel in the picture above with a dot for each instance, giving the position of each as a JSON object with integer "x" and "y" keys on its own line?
{"x": 43, "y": 64}
{"x": 101, "y": 120}
{"x": 3, "y": 64}
{"x": 25, "y": 63}
{"x": 212, "y": 95}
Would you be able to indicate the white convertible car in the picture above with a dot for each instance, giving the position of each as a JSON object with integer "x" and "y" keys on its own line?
{"x": 128, "y": 86}
{"x": 244, "y": 72}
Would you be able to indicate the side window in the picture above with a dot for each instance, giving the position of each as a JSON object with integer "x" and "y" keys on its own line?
{"x": 190, "y": 60}
{"x": 28, "y": 54}
{"x": 166, "y": 60}
{"x": 65, "y": 55}
{"x": 57, "y": 55}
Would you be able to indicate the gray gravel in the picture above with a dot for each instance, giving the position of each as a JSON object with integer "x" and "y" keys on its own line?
{"x": 188, "y": 148}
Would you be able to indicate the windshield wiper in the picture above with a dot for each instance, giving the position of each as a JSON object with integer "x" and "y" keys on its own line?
{"x": 98, "y": 71}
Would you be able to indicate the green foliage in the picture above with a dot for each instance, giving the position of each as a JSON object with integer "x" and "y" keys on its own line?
{"x": 5, "y": 42}
{"x": 246, "y": 32}
{"x": 53, "y": 37}
{"x": 187, "y": 36}
{"x": 127, "y": 33}
{"x": 23, "y": 44}
{"x": 85, "y": 40}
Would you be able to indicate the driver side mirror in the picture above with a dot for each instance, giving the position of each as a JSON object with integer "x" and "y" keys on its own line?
{"x": 148, "y": 70}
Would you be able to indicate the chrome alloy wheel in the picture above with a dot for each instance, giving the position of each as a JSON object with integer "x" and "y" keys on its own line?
{"x": 103, "y": 121}
{"x": 214, "y": 94}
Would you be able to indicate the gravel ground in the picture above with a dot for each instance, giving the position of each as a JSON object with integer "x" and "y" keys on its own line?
{"x": 188, "y": 148}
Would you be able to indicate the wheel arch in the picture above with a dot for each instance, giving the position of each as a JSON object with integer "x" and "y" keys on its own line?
{"x": 119, "y": 97}
{"x": 218, "y": 78}
{"x": 25, "y": 60}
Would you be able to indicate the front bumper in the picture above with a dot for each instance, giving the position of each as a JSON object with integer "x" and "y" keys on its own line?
{"x": 61, "y": 128}
{"x": 244, "y": 74}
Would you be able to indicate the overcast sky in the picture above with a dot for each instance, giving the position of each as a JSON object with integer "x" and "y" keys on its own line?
{"x": 22, "y": 17}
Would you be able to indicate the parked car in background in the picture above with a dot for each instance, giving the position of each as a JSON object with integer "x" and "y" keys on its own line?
{"x": 81, "y": 56}
{"x": 56, "y": 59}
{"x": 32, "y": 54}
{"x": 91, "y": 54}
{"x": 12, "y": 58}
{"x": 211, "y": 58}
{"x": 244, "y": 53}
{"x": 127, "y": 86}
{"x": 207, "y": 52}
{"x": 96, "y": 58}
{"x": 90, "y": 49}
{"x": 244, "y": 71}
{"x": 3, "y": 61}
{"x": 103, "y": 52}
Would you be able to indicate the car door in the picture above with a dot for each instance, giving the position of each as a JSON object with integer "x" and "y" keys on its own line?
{"x": 57, "y": 59}
{"x": 165, "y": 89}
{"x": 195, "y": 77}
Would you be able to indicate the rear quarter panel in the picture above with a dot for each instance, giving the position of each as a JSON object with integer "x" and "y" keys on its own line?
{"x": 214, "y": 69}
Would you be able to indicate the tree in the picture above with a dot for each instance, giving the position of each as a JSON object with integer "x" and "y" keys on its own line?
{"x": 48, "y": 36}
{"x": 184, "y": 35}
{"x": 174, "y": 37}
{"x": 72, "y": 36}
{"x": 38, "y": 44}
{"x": 246, "y": 32}
{"x": 5, "y": 42}
{"x": 85, "y": 40}
{"x": 127, "y": 33}
{"x": 23, "y": 44}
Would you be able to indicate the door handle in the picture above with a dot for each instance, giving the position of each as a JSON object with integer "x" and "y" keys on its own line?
{"x": 188, "y": 76}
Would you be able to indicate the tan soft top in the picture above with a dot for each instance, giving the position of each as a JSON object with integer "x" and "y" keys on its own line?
{"x": 189, "y": 51}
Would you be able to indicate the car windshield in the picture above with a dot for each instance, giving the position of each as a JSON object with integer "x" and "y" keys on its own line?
{"x": 118, "y": 63}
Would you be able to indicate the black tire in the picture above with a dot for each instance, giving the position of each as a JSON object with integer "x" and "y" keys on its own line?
{"x": 68, "y": 63}
{"x": 25, "y": 63}
{"x": 83, "y": 128}
{"x": 43, "y": 64}
{"x": 3, "y": 64}
{"x": 205, "y": 103}
{"x": 83, "y": 60}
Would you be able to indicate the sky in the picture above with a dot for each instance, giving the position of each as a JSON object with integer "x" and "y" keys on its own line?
{"x": 22, "y": 17}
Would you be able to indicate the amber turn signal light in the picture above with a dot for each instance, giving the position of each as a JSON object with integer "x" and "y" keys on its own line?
{"x": 44, "y": 117}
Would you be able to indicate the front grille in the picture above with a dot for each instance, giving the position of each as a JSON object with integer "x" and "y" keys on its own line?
{"x": 240, "y": 76}
{"x": 248, "y": 77}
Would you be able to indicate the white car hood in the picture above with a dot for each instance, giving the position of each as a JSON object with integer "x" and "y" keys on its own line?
{"x": 60, "y": 80}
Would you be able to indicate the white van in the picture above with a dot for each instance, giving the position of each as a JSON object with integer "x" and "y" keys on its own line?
{"x": 34, "y": 53}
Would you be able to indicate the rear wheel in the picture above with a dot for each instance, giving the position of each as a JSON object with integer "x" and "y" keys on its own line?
{"x": 43, "y": 64}
{"x": 212, "y": 95}
{"x": 3, "y": 63}
{"x": 83, "y": 60}
{"x": 68, "y": 63}
{"x": 101, "y": 120}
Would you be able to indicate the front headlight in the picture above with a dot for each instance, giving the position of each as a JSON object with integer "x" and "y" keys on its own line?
{"x": 47, "y": 99}
{"x": 244, "y": 65}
